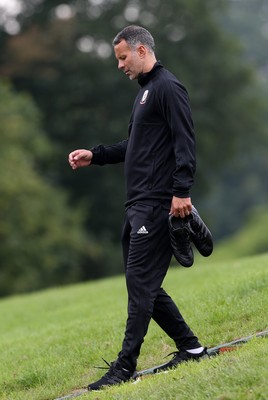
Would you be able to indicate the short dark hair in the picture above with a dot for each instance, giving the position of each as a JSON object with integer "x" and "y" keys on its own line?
{"x": 135, "y": 35}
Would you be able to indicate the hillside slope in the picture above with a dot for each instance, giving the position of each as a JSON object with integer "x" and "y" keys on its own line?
{"x": 50, "y": 341}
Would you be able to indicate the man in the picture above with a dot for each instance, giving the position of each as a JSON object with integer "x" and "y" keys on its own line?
{"x": 159, "y": 157}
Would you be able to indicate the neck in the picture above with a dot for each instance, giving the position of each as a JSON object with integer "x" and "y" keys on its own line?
{"x": 148, "y": 65}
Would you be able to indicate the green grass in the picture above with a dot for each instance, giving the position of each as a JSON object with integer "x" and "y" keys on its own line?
{"x": 50, "y": 341}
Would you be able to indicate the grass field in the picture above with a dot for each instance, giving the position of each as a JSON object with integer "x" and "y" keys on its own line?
{"x": 50, "y": 341}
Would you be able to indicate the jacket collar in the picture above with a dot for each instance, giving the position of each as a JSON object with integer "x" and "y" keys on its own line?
{"x": 144, "y": 78}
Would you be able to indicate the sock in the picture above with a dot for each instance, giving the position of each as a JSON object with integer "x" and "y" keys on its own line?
{"x": 196, "y": 351}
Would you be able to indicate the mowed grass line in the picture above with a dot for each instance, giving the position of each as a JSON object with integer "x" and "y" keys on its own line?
{"x": 50, "y": 340}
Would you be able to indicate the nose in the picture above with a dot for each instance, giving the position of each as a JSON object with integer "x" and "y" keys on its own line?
{"x": 121, "y": 64}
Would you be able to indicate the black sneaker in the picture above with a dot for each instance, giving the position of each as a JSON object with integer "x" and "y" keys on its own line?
{"x": 200, "y": 234}
{"x": 180, "y": 231}
{"x": 114, "y": 376}
{"x": 180, "y": 357}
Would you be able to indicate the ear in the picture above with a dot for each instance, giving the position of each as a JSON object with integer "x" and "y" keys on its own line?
{"x": 142, "y": 51}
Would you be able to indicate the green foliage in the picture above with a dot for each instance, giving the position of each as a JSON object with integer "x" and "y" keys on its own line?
{"x": 50, "y": 341}
{"x": 85, "y": 100}
{"x": 240, "y": 183}
{"x": 247, "y": 20}
{"x": 251, "y": 239}
{"x": 68, "y": 68}
{"x": 41, "y": 240}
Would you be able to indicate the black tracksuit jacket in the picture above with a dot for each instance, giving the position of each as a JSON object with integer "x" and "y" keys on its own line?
{"x": 159, "y": 153}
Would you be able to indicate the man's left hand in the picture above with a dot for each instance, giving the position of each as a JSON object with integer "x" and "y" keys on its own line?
{"x": 181, "y": 207}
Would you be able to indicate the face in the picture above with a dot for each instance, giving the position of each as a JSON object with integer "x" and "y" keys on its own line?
{"x": 130, "y": 61}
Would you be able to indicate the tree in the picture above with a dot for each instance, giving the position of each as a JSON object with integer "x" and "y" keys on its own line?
{"x": 63, "y": 57}
{"x": 241, "y": 182}
{"x": 247, "y": 20}
{"x": 41, "y": 240}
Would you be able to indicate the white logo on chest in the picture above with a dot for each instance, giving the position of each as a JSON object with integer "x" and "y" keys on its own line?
{"x": 144, "y": 97}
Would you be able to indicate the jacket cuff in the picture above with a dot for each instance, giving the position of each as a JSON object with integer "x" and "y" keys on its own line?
{"x": 97, "y": 155}
{"x": 182, "y": 194}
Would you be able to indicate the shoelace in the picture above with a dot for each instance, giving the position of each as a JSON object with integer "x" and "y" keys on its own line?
{"x": 113, "y": 375}
{"x": 109, "y": 365}
{"x": 174, "y": 353}
{"x": 184, "y": 240}
{"x": 199, "y": 234}
{"x": 111, "y": 369}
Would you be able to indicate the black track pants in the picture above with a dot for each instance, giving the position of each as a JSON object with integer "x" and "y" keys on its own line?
{"x": 147, "y": 254}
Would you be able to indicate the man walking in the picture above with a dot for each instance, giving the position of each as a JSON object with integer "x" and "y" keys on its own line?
{"x": 159, "y": 157}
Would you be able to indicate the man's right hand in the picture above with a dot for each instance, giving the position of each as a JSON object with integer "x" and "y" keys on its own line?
{"x": 80, "y": 158}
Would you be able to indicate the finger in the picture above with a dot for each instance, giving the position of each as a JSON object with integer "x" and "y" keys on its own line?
{"x": 73, "y": 165}
{"x": 176, "y": 212}
{"x": 71, "y": 157}
{"x": 81, "y": 154}
{"x": 184, "y": 212}
{"x": 77, "y": 154}
{"x": 71, "y": 161}
{"x": 73, "y": 153}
